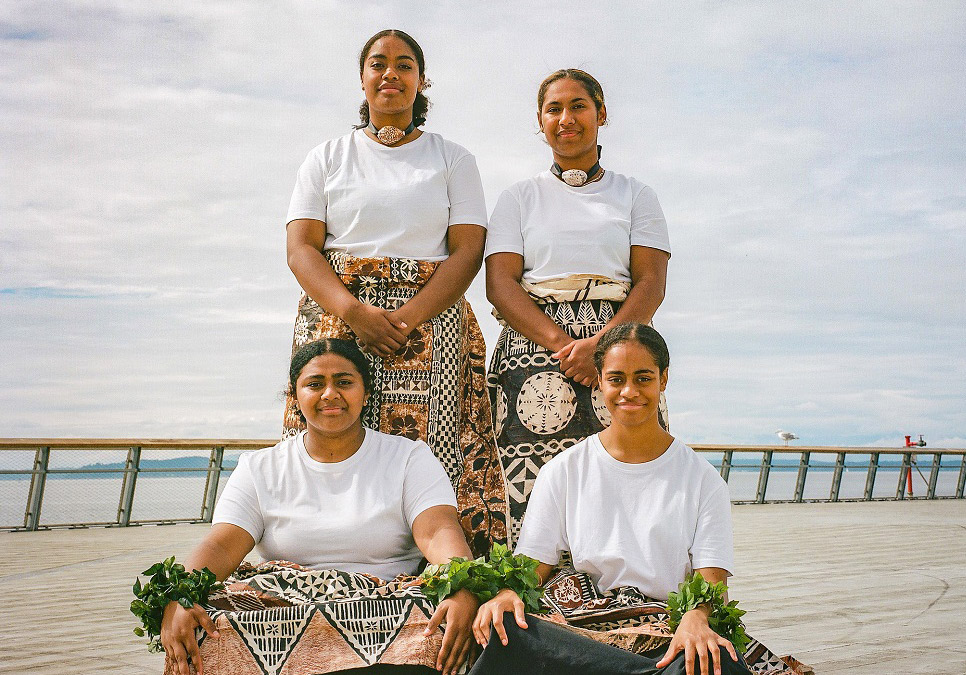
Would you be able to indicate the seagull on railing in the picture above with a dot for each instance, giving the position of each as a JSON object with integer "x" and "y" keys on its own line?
{"x": 786, "y": 436}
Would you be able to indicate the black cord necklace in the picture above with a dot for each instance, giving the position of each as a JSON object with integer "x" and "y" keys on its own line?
{"x": 578, "y": 177}
{"x": 390, "y": 135}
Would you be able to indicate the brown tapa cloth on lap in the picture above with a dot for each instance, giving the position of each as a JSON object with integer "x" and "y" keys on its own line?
{"x": 278, "y": 618}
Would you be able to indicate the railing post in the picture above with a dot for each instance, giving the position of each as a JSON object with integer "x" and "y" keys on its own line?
{"x": 833, "y": 494}
{"x": 962, "y": 478}
{"x": 934, "y": 475}
{"x": 903, "y": 475}
{"x": 802, "y": 473}
{"x": 763, "y": 476}
{"x": 211, "y": 485}
{"x": 35, "y": 499}
{"x": 870, "y": 477}
{"x": 729, "y": 454}
{"x": 131, "y": 468}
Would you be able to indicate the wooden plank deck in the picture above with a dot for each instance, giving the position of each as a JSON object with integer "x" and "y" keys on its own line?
{"x": 857, "y": 588}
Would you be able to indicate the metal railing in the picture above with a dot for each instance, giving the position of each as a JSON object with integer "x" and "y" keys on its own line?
{"x": 127, "y": 472}
{"x": 749, "y": 470}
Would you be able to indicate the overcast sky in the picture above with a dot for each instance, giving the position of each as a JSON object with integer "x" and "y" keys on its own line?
{"x": 810, "y": 159}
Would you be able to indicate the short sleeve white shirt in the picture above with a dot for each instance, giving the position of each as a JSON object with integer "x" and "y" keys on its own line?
{"x": 377, "y": 200}
{"x": 355, "y": 515}
{"x": 645, "y": 525}
{"x": 562, "y": 230}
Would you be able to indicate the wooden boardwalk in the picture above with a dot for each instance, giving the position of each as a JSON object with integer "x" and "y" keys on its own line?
{"x": 851, "y": 588}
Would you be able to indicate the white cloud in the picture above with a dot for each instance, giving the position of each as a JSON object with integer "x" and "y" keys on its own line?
{"x": 809, "y": 160}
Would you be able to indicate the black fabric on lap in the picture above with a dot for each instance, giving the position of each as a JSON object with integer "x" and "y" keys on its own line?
{"x": 389, "y": 669}
{"x": 545, "y": 649}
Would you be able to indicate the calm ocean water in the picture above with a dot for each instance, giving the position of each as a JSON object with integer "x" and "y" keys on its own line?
{"x": 91, "y": 500}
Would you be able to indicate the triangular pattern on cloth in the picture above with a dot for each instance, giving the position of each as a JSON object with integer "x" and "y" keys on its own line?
{"x": 606, "y": 313}
{"x": 368, "y": 626}
{"x": 564, "y": 316}
{"x": 272, "y": 634}
{"x": 586, "y": 320}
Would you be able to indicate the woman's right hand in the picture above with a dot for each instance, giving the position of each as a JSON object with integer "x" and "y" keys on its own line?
{"x": 491, "y": 614}
{"x": 380, "y": 333}
{"x": 178, "y": 636}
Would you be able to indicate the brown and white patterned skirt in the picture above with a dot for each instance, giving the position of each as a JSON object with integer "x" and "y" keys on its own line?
{"x": 278, "y": 617}
{"x": 624, "y": 617}
{"x": 537, "y": 411}
{"x": 433, "y": 389}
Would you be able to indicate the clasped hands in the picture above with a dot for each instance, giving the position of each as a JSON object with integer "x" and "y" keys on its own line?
{"x": 380, "y": 332}
{"x": 577, "y": 360}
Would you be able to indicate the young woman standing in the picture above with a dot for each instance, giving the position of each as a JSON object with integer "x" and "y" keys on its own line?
{"x": 385, "y": 231}
{"x": 569, "y": 253}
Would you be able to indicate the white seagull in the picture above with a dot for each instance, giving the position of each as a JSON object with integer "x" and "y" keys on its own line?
{"x": 786, "y": 436}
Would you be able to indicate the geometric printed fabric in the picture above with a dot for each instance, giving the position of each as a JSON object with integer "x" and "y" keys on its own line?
{"x": 625, "y": 618}
{"x": 279, "y": 618}
{"x": 368, "y": 626}
{"x": 432, "y": 389}
{"x": 272, "y": 635}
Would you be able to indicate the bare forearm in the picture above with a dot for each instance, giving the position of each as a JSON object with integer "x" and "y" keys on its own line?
{"x": 640, "y": 305}
{"x": 446, "y": 542}
{"x": 523, "y": 315}
{"x": 222, "y": 550}
{"x": 213, "y": 556}
{"x": 319, "y": 281}
{"x": 649, "y": 275}
{"x": 447, "y": 285}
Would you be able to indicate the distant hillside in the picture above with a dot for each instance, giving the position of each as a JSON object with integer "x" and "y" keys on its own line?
{"x": 112, "y": 469}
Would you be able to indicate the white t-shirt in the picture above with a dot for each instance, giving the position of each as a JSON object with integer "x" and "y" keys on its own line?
{"x": 355, "y": 515}
{"x": 645, "y": 525}
{"x": 377, "y": 200}
{"x": 562, "y": 230}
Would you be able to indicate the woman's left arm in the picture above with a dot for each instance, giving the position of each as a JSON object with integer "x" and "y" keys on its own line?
{"x": 694, "y": 636}
{"x": 648, "y": 284}
{"x": 438, "y": 535}
{"x": 451, "y": 279}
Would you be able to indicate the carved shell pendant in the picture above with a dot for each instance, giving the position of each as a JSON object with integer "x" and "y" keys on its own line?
{"x": 574, "y": 177}
{"x": 390, "y": 135}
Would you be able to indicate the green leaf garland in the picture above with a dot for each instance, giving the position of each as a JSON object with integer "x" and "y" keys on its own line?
{"x": 485, "y": 577}
{"x": 169, "y": 582}
{"x": 725, "y": 618}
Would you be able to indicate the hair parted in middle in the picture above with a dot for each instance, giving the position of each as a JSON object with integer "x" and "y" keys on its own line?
{"x": 589, "y": 82}
{"x": 347, "y": 349}
{"x": 421, "y": 104}
{"x": 640, "y": 333}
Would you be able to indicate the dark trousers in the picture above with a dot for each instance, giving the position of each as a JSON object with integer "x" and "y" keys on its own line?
{"x": 545, "y": 648}
{"x": 388, "y": 669}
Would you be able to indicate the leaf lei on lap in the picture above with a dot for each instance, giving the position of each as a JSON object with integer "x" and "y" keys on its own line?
{"x": 725, "y": 618}
{"x": 169, "y": 581}
{"x": 485, "y": 577}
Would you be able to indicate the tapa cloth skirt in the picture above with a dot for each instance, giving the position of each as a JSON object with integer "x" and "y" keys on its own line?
{"x": 433, "y": 389}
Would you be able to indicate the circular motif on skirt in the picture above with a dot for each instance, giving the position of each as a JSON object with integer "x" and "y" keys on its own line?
{"x": 600, "y": 409}
{"x": 546, "y": 403}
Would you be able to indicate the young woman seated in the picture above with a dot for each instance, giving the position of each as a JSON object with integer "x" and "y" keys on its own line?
{"x": 634, "y": 507}
{"x": 336, "y": 496}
